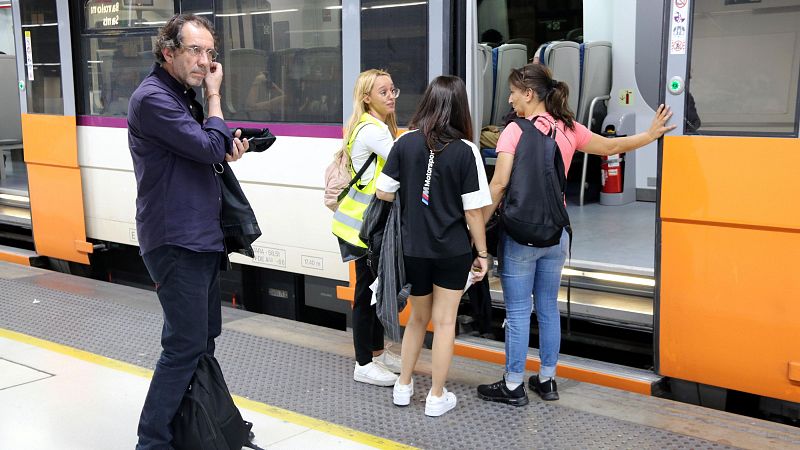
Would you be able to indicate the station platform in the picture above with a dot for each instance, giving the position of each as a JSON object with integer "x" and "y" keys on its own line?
{"x": 76, "y": 355}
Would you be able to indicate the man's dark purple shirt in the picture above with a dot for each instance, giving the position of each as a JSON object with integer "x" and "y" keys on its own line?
{"x": 178, "y": 192}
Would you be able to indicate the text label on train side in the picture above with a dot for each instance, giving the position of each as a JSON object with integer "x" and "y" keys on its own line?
{"x": 269, "y": 256}
{"x": 311, "y": 262}
{"x": 102, "y": 14}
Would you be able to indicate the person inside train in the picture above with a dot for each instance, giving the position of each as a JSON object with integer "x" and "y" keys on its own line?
{"x": 177, "y": 207}
{"x": 528, "y": 270}
{"x": 492, "y": 37}
{"x": 439, "y": 176}
{"x": 264, "y": 96}
{"x": 370, "y": 130}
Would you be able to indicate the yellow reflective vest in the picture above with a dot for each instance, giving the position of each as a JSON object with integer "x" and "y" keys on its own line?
{"x": 347, "y": 218}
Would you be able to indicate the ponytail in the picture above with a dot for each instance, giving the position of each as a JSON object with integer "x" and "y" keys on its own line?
{"x": 554, "y": 94}
{"x": 556, "y": 102}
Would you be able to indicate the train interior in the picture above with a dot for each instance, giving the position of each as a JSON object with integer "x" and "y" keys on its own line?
{"x": 611, "y": 268}
{"x": 14, "y": 202}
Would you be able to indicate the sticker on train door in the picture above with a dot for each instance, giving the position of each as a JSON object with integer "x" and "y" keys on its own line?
{"x": 679, "y": 26}
{"x": 29, "y": 55}
{"x": 625, "y": 97}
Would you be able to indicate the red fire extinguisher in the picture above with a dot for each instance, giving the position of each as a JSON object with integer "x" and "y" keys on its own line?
{"x": 611, "y": 167}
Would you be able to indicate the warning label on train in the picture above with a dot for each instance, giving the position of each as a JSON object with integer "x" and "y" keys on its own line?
{"x": 678, "y": 27}
{"x": 269, "y": 256}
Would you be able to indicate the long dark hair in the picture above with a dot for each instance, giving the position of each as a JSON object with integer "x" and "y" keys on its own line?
{"x": 443, "y": 113}
{"x": 555, "y": 94}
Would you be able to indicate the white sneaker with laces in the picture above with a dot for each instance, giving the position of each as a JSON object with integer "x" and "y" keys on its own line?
{"x": 389, "y": 360}
{"x": 402, "y": 393}
{"x": 374, "y": 373}
{"x": 436, "y": 406}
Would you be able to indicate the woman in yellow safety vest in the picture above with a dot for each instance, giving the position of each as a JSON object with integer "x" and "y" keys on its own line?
{"x": 371, "y": 129}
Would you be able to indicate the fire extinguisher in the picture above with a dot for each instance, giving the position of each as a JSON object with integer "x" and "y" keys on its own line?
{"x": 611, "y": 167}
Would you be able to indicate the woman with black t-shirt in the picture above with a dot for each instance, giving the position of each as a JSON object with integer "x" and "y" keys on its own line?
{"x": 439, "y": 176}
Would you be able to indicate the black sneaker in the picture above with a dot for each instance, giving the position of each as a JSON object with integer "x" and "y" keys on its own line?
{"x": 499, "y": 392}
{"x": 547, "y": 390}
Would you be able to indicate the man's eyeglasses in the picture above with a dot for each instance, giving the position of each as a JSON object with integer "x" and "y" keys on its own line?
{"x": 194, "y": 50}
{"x": 394, "y": 93}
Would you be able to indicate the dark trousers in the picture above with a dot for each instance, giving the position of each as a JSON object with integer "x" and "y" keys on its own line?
{"x": 187, "y": 284}
{"x": 367, "y": 329}
{"x": 480, "y": 300}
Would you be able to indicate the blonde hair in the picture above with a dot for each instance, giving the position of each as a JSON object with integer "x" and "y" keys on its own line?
{"x": 364, "y": 84}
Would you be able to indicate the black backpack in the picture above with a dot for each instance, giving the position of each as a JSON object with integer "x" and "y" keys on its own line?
{"x": 207, "y": 418}
{"x": 533, "y": 212}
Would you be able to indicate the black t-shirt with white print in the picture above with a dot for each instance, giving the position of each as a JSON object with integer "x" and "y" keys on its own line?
{"x": 435, "y": 189}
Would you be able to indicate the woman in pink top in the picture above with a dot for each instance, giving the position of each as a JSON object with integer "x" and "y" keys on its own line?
{"x": 523, "y": 269}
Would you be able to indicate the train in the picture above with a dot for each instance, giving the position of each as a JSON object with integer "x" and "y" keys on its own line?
{"x": 695, "y": 249}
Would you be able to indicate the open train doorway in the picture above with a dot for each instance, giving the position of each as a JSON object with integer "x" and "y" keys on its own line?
{"x": 609, "y": 54}
{"x": 15, "y": 217}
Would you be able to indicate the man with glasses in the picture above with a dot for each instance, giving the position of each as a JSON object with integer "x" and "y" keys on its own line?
{"x": 178, "y": 205}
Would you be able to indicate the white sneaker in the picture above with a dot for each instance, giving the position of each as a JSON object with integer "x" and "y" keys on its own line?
{"x": 402, "y": 393}
{"x": 389, "y": 360}
{"x": 436, "y": 406}
{"x": 374, "y": 373}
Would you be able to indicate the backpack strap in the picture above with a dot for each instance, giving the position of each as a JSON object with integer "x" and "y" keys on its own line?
{"x": 370, "y": 160}
{"x": 361, "y": 171}
{"x": 553, "y": 127}
{"x": 569, "y": 283}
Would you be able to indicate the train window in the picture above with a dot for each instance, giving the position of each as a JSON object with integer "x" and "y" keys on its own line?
{"x": 43, "y": 61}
{"x": 403, "y": 52}
{"x": 121, "y": 14}
{"x": 113, "y": 66}
{"x": 282, "y": 59}
{"x": 6, "y": 39}
{"x": 745, "y": 59}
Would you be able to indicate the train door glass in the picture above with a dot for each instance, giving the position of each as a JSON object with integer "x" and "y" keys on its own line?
{"x": 745, "y": 60}
{"x": 403, "y": 52}
{"x": 42, "y": 59}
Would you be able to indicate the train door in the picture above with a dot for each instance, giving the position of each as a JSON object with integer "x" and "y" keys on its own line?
{"x": 729, "y": 223}
{"x": 47, "y": 103}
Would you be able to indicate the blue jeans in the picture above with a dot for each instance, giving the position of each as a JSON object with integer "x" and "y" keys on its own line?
{"x": 524, "y": 271}
{"x": 187, "y": 284}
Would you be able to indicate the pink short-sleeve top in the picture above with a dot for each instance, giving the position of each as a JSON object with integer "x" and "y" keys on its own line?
{"x": 568, "y": 140}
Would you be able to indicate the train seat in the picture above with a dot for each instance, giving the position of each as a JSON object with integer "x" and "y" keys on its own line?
{"x": 485, "y": 89}
{"x": 595, "y": 80}
{"x": 563, "y": 59}
{"x": 505, "y": 58}
{"x": 595, "y": 84}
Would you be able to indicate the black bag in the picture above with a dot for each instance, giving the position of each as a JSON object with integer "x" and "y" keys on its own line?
{"x": 260, "y": 138}
{"x": 239, "y": 225}
{"x": 207, "y": 418}
{"x": 372, "y": 231}
{"x": 493, "y": 227}
{"x": 533, "y": 210}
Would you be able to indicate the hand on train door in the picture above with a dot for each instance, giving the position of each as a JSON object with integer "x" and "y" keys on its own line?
{"x": 659, "y": 124}
{"x": 238, "y": 148}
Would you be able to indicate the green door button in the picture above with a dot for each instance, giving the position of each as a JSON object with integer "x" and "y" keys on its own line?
{"x": 675, "y": 85}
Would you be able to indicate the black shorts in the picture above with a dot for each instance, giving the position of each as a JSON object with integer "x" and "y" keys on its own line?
{"x": 448, "y": 273}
